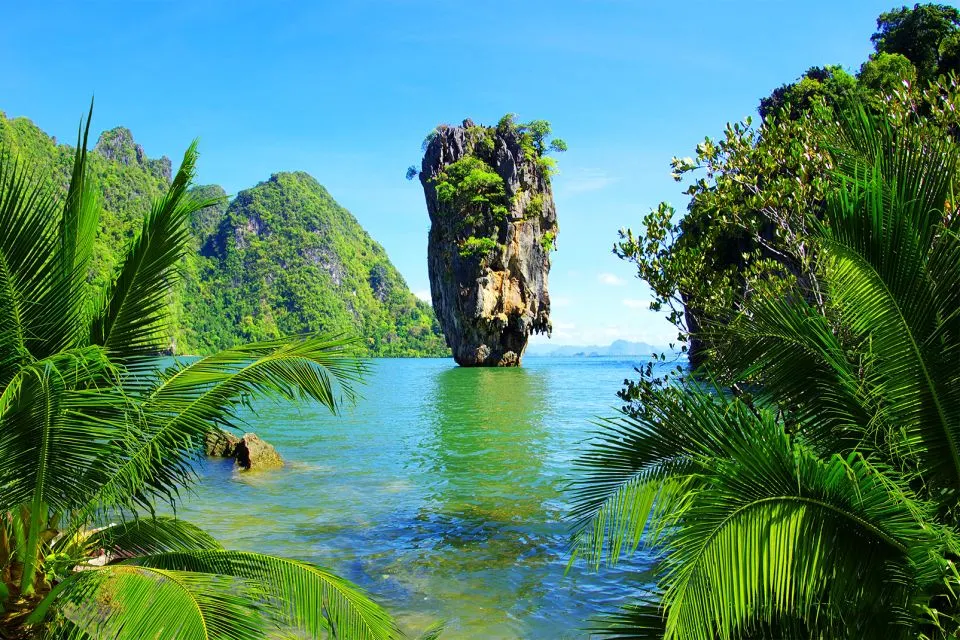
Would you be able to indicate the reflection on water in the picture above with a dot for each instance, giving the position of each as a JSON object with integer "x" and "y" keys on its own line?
{"x": 488, "y": 493}
{"x": 440, "y": 492}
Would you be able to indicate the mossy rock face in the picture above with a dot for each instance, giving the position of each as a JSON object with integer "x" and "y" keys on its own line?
{"x": 493, "y": 226}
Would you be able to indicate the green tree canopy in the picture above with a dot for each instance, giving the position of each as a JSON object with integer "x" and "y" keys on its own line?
{"x": 923, "y": 35}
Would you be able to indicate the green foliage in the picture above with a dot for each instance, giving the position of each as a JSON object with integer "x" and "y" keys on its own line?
{"x": 507, "y": 123}
{"x": 477, "y": 247}
{"x": 472, "y": 190}
{"x": 548, "y": 165}
{"x": 473, "y": 196}
{"x": 831, "y": 85}
{"x": 209, "y": 310}
{"x": 128, "y": 183}
{"x": 287, "y": 259}
{"x": 535, "y": 206}
{"x": 813, "y": 489}
{"x": 91, "y": 432}
{"x": 428, "y": 139}
{"x": 927, "y": 35}
{"x": 756, "y": 191}
{"x": 481, "y": 140}
{"x": 549, "y": 241}
{"x": 885, "y": 73}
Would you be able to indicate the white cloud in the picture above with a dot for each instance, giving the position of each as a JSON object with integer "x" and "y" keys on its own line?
{"x": 586, "y": 180}
{"x": 610, "y": 279}
{"x": 634, "y": 303}
{"x": 423, "y": 295}
{"x": 564, "y": 326}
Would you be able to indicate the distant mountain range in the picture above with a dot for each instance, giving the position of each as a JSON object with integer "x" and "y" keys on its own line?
{"x": 616, "y": 348}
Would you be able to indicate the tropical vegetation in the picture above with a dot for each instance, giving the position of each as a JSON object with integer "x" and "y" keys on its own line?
{"x": 472, "y": 190}
{"x": 805, "y": 483}
{"x": 285, "y": 258}
{"x": 802, "y": 479}
{"x": 309, "y": 267}
{"x": 752, "y": 188}
{"x": 97, "y": 441}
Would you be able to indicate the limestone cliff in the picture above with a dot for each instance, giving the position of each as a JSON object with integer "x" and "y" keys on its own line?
{"x": 493, "y": 226}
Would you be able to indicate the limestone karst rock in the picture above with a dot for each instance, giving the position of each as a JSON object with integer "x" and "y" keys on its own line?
{"x": 493, "y": 226}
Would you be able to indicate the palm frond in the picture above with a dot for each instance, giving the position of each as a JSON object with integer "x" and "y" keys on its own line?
{"x": 181, "y": 406}
{"x": 63, "y": 305}
{"x": 131, "y": 321}
{"x": 28, "y": 269}
{"x": 877, "y": 253}
{"x": 636, "y": 471}
{"x": 126, "y": 601}
{"x": 147, "y": 535}
{"x": 774, "y": 531}
{"x": 641, "y": 620}
{"x": 306, "y": 597}
{"x": 56, "y": 425}
{"x": 433, "y": 632}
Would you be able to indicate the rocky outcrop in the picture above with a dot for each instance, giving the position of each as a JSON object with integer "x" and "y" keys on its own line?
{"x": 252, "y": 453}
{"x": 493, "y": 226}
{"x": 220, "y": 444}
{"x": 117, "y": 145}
{"x": 249, "y": 452}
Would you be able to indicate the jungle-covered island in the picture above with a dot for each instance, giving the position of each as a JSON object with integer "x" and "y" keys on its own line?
{"x": 787, "y": 468}
{"x": 280, "y": 258}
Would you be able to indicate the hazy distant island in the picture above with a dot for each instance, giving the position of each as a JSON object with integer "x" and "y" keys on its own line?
{"x": 615, "y": 348}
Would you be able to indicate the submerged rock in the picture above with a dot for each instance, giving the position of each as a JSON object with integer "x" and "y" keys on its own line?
{"x": 252, "y": 453}
{"x": 493, "y": 226}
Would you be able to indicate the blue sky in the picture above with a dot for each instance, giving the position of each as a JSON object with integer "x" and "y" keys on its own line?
{"x": 347, "y": 90}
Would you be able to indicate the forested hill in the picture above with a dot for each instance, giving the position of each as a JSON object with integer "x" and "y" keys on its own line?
{"x": 282, "y": 257}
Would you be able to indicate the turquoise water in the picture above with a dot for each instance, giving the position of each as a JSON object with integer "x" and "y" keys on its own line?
{"x": 440, "y": 492}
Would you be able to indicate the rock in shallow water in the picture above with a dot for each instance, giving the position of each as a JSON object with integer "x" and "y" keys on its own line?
{"x": 249, "y": 452}
{"x": 252, "y": 454}
{"x": 220, "y": 444}
{"x": 493, "y": 226}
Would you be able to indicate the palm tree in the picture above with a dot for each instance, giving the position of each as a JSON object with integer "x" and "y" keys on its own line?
{"x": 91, "y": 432}
{"x": 806, "y": 484}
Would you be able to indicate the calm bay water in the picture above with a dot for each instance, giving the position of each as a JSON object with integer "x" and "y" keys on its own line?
{"x": 440, "y": 492}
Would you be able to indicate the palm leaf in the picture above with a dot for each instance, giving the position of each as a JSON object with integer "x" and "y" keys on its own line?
{"x": 307, "y": 597}
{"x": 774, "y": 531}
{"x": 62, "y": 306}
{"x": 56, "y": 426}
{"x": 641, "y": 620}
{"x": 27, "y": 269}
{"x": 131, "y": 321}
{"x": 182, "y": 405}
{"x": 145, "y": 536}
{"x": 126, "y": 601}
